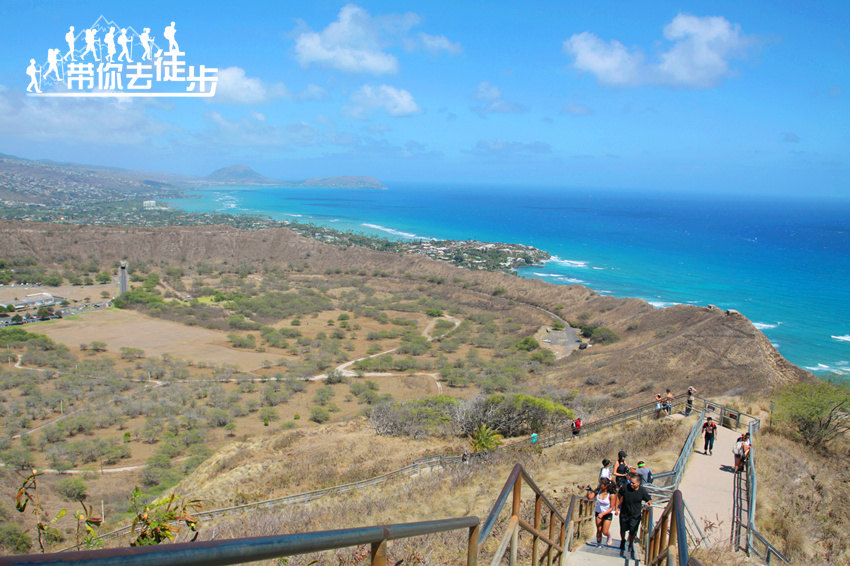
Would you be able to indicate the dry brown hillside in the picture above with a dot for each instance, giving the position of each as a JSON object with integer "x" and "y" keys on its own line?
{"x": 721, "y": 353}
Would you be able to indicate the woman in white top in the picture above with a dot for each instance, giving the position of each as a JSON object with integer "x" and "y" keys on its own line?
{"x": 606, "y": 500}
{"x": 605, "y": 472}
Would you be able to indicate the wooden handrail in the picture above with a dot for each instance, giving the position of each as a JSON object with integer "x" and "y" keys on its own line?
{"x": 668, "y": 541}
{"x": 554, "y": 540}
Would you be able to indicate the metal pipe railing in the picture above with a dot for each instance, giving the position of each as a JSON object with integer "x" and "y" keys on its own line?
{"x": 753, "y": 535}
{"x": 558, "y": 540}
{"x": 235, "y": 551}
{"x": 668, "y": 540}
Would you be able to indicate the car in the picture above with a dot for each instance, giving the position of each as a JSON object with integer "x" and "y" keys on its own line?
{"x": 547, "y": 340}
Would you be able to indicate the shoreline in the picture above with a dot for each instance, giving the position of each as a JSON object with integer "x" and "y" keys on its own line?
{"x": 821, "y": 366}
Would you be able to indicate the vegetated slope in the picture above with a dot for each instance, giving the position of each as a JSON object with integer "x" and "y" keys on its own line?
{"x": 719, "y": 352}
{"x": 295, "y": 462}
{"x": 457, "y": 490}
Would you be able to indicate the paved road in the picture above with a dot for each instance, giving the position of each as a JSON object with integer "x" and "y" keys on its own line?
{"x": 561, "y": 342}
{"x": 708, "y": 486}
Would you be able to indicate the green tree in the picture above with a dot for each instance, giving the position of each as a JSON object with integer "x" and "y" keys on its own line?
{"x": 13, "y": 539}
{"x": 103, "y": 277}
{"x": 604, "y": 335}
{"x": 817, "y": 412}
{"x": 44, "y": 312}
{"x": 319, "y": 415}
{"x": 528, "y": 344}
{"x": 323, "y": 395}
{"x": 72, "y": 488}
{"x": 485, "y": 438}
{"x": 268, "y": 414}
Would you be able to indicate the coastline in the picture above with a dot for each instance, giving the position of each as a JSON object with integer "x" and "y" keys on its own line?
{"x": 801, "y": 324}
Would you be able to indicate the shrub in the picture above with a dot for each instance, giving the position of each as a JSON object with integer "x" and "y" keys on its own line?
{"x": 543, "y": 356}
{"x": 269, "y": 414}
{"x": 323, "y": 395}
{"x": 528, "y": 344}
{"x": 603, "y": 335}
{"x": 247, "y": 341}
{"x": 13, "y": 539}
{"x": 131, "y": 353}
{"x": 319, "y": 415}
{"x": 484, "y": 438}
{"x": 72, "y": 488}
{"x": 435, "y": 312}
{"x": 817, "y": 412}
{"x": 334, "y": 376}
{"x": 431, "y": 416}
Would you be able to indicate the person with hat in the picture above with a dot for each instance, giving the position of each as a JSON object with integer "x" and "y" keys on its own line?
{"x": 690, "y": 407}
{"x": 622, "y": 471}
{"x": 645, "y": 472}
{"x": 709, "y": 428}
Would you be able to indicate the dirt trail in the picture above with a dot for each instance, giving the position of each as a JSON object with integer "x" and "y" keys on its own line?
{"x": 427, "y": 332}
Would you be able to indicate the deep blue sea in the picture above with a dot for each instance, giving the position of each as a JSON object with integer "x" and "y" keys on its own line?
{"x": 785, "y": 264}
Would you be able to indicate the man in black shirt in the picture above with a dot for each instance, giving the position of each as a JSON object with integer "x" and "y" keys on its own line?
{"x": 630, "y": 502}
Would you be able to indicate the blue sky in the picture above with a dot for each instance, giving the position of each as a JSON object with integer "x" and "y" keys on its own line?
{"x": 745, "y": 97}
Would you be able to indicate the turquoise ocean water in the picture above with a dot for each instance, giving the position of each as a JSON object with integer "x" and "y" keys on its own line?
{"x": 785, "y": 264}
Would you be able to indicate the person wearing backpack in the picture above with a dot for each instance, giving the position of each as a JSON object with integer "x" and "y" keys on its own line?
{"x": 709, "y": 428}
{"x": 645, "y": 472}
{"x": 577, "y": 426}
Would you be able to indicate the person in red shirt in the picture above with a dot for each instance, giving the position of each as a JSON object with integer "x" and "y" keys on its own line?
{"x": 709, "y": 428}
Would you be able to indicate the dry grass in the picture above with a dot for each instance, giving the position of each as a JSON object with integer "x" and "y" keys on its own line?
{"x": 457, "y": 491}
{"x": 804, "y": 499}
{"x": 724, "y": 555}
{"x": 124, "y": 328}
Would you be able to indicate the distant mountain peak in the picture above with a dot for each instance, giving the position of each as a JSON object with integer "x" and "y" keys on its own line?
{"x": 239, "y": 173}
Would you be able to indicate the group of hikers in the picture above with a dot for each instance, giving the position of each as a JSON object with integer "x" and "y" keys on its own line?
{"x": 621, "y": 491}
{"x": 664, "y": 403}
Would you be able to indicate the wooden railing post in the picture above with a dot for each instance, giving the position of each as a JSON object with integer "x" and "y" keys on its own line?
{"x": 563, "y": 541}
{"x": 515, "y": 508}
{"x": 551, "y": 537}
{"x": 514, "y": 545}
{"x": 538, "y": 503}
{"x": 379, "y": 553}
{"x": 472, "y": 546}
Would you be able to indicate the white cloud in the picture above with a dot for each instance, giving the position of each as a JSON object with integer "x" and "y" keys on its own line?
{"x": 351, "y": 43}
{"x": 312, "y": 92}
{"x": 357, "y": 42}
{"x": 698, "y": 57}
{"x": 255, "y": 131}
{"x": 496, "y": 148}
{"x": 234, "y": 86}
{"x": 492, "y": 100}
{"x": 119, "y": 121}
{"x": 368, "y": 99}
{"x": 439, "y": 43}
{"x": 576, "y": 109}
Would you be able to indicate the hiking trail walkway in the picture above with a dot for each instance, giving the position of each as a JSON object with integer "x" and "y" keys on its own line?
{"x": 708, "y": 486}
{"x": 708, "y": 490}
